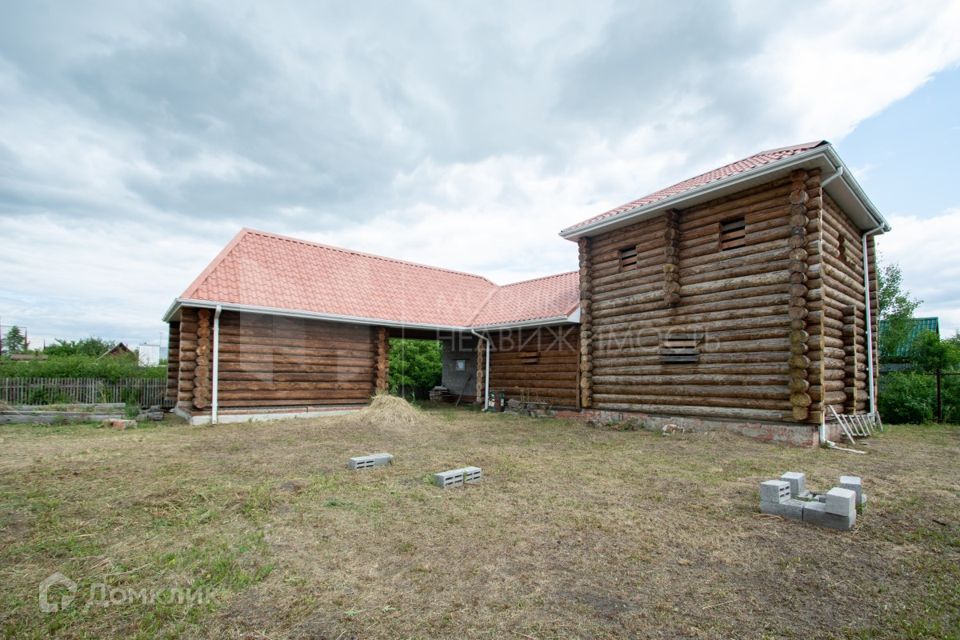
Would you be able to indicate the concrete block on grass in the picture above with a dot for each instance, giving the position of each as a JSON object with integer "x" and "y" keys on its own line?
{"x": 368, "y": 462}
{"x": 816, "y": 513}
{"x": 841, "y": 502}
{"x": 798, "y": 483}
{"x": 457, "y": 477}
{"x": 774, "y": 491}
{"x": 790, "y": 509}
{"x": 855, "y": 484}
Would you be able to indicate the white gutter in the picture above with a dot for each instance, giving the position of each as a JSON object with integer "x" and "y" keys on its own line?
{"x": 836, "y": 174}
{"x": 310, "y": 315}
{"x": 871, "y": 391}
{"x": 486, "y": 374}
{"x": 216, "y": 364}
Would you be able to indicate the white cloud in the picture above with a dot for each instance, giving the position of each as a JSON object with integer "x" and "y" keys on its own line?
{"x": 134, "y": 144}
{"x": 924, "y": 248}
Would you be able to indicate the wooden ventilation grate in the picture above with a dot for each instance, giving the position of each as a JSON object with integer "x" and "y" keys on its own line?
{"x": 680, "y": 348}
{"x": 733, "y": 233}
{"x": 628, "y": 258}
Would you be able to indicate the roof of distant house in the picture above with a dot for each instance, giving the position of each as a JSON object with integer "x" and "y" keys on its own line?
{"x": 259, "y": 271}
{"x": 916, "y": 326}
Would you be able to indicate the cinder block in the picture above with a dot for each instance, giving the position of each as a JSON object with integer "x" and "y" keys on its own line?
{"x": 841, "y": 502}
{"x": 775, "y": 491}
{"x": 457, "y": 477}
{"x": 798, "y": 483}
{"x": 855, "y": 484}
{"x": 367, "y": 462}
{"x": 792, "y": 509}
{"x": 816, "y": 513}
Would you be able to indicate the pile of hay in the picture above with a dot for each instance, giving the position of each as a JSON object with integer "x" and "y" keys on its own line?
{"x": 392, "y": 414}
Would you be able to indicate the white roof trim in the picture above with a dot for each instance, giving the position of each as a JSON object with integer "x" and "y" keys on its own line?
{"x": 311, "y": 315}
{"x": 824, "y": 156}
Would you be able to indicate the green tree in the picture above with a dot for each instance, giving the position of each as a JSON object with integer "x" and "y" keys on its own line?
{"x": 896, "y": 308}
{"x": 15, "y": 341}
{"x": 415, "y": 366}
{"x": 91, "y": 346}
{"x": 929, "y": 353}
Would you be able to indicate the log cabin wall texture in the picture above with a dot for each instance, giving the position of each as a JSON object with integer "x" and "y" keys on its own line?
{"x": 538, "y": 364}
{"x": 758, "y": 351}
{"x": 845, "y": 372}
{"x": 272, "y": 361}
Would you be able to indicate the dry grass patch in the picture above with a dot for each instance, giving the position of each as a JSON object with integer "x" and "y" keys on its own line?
{"x": 574, "y": 532}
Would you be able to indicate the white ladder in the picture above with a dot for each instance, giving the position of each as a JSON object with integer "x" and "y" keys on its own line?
{"x": 861, "y": 425}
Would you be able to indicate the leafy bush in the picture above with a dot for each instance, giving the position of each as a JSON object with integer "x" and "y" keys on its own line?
{"x": 415, "y": 366}
{"x": 907, "y": 397}
{"x": 79, "y": 366}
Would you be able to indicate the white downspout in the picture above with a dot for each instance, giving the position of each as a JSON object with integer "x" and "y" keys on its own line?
{"x": 486, "y": 373}
{"x": 216, "y": 364}
{"x": 871, "y": 391}
{"x": 838, "y": 171}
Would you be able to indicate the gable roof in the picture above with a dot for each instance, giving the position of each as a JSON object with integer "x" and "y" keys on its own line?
{"x": 269, "y": 273}
{"x": 763, "y": 165}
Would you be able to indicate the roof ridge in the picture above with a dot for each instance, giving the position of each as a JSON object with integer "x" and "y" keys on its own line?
{"x": 364, "y": 254}
{"x": 553, "y": 275}
{"x": 716, "y": 174}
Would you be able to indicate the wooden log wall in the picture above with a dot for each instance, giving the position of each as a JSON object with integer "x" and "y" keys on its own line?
{"x": 481, "y": 375}
{"x": 203, "y": 380}
{"x": 812, "y": 278}
{"x": 381, "y": 364}
{"x": 755, "y": 361}
{"x": 173, "y": 362}
{"x": 586, "y": 325}
{"x": 270, "y": 361}
{"x": 187, "y": 357}
{"x": 799, "y": 383}
{"x": 537, "y": 364}
{"x": 844, "y": 312}
{"x": 671, "y": 258}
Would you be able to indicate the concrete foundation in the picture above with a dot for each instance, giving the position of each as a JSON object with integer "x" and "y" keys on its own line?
{"x": 197, "y": 418}
{"x": 794, "y": 434}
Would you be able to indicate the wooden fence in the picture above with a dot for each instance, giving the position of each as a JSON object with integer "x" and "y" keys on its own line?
{"x": 144, "y": 391}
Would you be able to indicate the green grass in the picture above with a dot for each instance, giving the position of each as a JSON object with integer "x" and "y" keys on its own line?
{"x": 574, "y": 532}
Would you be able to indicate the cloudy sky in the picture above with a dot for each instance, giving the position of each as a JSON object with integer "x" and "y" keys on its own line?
{"x": 137, "y": 138}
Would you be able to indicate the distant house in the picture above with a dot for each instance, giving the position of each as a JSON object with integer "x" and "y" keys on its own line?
{"x": 743, "y": 298}
{"x": 119, "y": 350}
{"x": 915, "y": 327}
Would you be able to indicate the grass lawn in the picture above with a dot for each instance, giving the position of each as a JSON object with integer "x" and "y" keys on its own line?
{"x": 574, "y": 532}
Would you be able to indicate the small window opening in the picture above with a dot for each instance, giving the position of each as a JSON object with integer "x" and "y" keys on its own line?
{"x": 628, "y": 258}
{"x": 680, "y": 348}
{"x": 461, "y": 365}
{"x": 733, "y": 233}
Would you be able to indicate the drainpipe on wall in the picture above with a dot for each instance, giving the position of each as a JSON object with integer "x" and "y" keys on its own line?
{"x": 837, "y": 172}
{"x": 871, "y": 390}
{"x": 216, "y": 363}
{"x": 486, "y": 373}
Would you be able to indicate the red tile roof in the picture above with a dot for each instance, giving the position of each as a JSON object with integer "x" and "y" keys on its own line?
{"x": 261, "y": 269}
{"x": 550, "y": 297}
{"x": 757, "y": 160}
